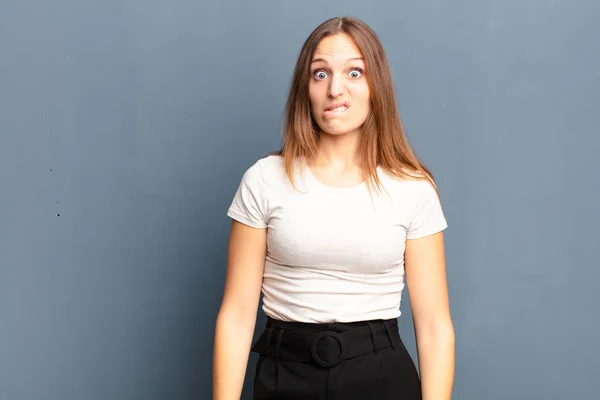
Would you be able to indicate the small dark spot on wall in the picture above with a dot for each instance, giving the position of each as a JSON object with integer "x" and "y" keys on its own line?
{"x": 58, "y": 215}
{"x": 50, "y": 169}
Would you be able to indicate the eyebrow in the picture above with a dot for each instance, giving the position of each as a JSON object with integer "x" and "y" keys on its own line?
{"x": 347, "y": 61}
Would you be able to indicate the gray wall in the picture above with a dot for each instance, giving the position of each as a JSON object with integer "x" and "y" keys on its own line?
{"x": 126, "y": 125}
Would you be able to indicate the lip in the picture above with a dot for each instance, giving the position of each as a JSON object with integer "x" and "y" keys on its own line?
{"x": 330, "y": 108}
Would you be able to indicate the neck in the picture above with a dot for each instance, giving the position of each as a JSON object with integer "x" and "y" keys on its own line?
{"x": 339, "y": 151}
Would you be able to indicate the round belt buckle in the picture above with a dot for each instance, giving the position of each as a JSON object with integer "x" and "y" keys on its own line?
{"x": 319, "y": 360}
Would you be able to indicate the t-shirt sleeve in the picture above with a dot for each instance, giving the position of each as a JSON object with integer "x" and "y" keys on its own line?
{"x": 428, "y": 217}
{"x": 249, "y": 205}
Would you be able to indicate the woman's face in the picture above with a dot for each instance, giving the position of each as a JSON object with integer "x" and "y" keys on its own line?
{"x": 338, "y": 89}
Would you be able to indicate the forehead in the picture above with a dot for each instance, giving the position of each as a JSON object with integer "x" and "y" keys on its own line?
{"x": 340, "y": 44}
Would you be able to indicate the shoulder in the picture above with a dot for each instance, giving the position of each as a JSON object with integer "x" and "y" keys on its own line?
{"x": 274, "y": 174}
{"x": 268, "y": 174}
{"x": 271, "y": 163}
{"x": 263, "y": 167}
{"x": 250, "y": 204}
{"x": 418, "y": 198}
{"x": 413, "y": 187}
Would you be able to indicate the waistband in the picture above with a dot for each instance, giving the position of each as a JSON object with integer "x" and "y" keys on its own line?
{"x": 326, "y": 345}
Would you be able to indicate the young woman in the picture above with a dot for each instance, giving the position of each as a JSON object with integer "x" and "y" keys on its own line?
{"x": 329, "y": 228}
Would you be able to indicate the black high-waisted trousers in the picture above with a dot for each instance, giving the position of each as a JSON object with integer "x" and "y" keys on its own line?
{"x": 338, "y": 361}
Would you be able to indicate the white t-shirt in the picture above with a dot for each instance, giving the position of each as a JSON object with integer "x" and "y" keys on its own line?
{"x": 333, "y": 254}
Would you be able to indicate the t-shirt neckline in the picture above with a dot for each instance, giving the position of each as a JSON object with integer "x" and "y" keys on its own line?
{"x": 312, "y": 178}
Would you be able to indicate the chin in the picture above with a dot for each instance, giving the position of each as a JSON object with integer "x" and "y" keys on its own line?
{"x": 339, "y": 131}
{"x": 341, "y": 126}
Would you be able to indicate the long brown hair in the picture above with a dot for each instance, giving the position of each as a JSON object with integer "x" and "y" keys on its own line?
{"x": 383, "y": 140}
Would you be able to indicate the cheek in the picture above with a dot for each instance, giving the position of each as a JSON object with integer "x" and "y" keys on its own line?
{"x": 313, "y": 96}
{"x": 362, "y": 97}
{"x": 364, "y": 92}
{"x": 362, "y": 101}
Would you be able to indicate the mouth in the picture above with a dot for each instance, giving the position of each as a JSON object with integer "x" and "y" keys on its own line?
{"x": 336, "y": 108}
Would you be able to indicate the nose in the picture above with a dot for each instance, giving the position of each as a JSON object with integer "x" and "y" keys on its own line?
{"x": 336, "y": 86}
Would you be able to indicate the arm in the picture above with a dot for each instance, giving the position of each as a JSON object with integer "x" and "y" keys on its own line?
{"x": 428, "y": 293}
{"x": 237, "y": 316}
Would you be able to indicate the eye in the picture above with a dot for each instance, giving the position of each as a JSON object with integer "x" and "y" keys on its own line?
{"x": 356, "y": 73}
{"x": 320, "y": 75}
